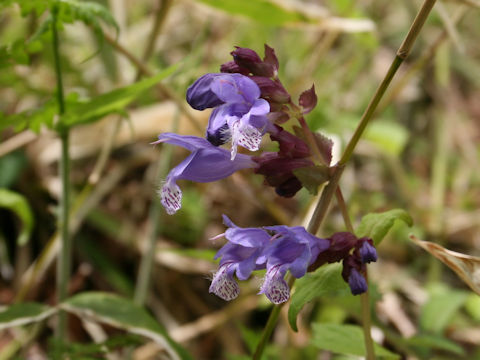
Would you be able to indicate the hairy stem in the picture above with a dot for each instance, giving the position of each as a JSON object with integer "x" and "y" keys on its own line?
{"x": 326, "y": 197}
{"x": 64, "y": 257}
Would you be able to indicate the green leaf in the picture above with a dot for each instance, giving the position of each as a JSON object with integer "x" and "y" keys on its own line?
{"x": 472, "y": 306}
{"x": 19, "y": 205}
{"x": 325, "y": 280}
{"x": 312, "y": 177}
{"x": 435, "y": 342}
{"x": 122, "y": 313}
{"x": 388, "y": 136}
{"x": 24, "y": 313}
{"x": 263, "y": 11}
{"x": 32, "y": 119}
{"x": 345, "y": 339}
{"x": 89, "y": 12}
{"x": 28, "y": 6}
{"x": 377, "y": 225}
{"x": 440, "y": 308}
{"x": 113, "y": 101}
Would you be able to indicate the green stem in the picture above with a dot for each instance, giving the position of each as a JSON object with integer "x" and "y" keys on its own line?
{"x": 344, "y": 210}
{"x": 326, "y": 197}
{"x": 367, "y": 324}
{"x": 58, "y": 67}
{"x": 270, "y": 325}
{"x": 64, "y": 257}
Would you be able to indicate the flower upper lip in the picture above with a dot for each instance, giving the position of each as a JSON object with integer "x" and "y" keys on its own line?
{"x": 239, "y": 114}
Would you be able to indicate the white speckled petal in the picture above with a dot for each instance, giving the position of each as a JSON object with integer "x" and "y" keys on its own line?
{"x": 224, "y": 286}
{"x": 171, "y": 197}
{"x": 246, "y": 136}
{"x": 275, "y": 289}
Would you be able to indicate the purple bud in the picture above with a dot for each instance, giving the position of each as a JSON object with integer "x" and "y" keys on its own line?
{"x": 273, "y": 163}
{"x": 368, "y": 253}
{"x": 270, "y": 57}
{"x": 249, "y": 59}
{"x": 308, "y": 100}
{"x": 341, "y": 244}
{"x": 271, "y": 90}
{"x": 278, "y": 171}
{"x": 232, "y": 67}
{"x": 290, "y": 145}
{"x": 289, "y": 188}
{"x": 246, "y": 55}
{"x": 200, "y": 95}
{"x": 356, "y": 281}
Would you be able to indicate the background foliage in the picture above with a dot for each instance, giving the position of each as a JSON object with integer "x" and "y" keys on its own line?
{"x": 125, "y": 84}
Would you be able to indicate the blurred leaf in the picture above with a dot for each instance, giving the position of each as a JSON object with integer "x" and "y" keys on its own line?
{"x": 89, "y": 12}
{"x": 345, "y": 339}
{"x": 312, "y": 177}
{"x": 263, "y": 11}
{"x": 188, "y": 224}
{"x": 465, "y": 266}
{"x": 325, "y": 280}
{"x": 28, "y": 6}
{"x": 19, "y": 205}
{"x": 377, "y": 225}
{"x": 250, "y": 337}
{"x": 79, "y": 351}
{"x": 105, "y": 267}
{"x": 113, "y": 101}
{"x": 124, "y": 314}
{"x": 18, "y": 53}
{"x": 24, "y": 313}
{"x": 388, "y": 136}
{"x": 68, "y": 11}
{"x": 201, "y": 254}
{"x": 11, "y": 166}
{"x": 33, "y": 118}
{"x": 472, "y": 305}
{"x": 437, "y": 312}
{"x": 435, "y": 342}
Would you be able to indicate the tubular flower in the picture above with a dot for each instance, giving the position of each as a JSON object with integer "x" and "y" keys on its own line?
{"x": 206, "y": 163}
{"x": 239, "y": 114}
{"x": 294, "y": 249}
{"x": 276, "y": 248}
{"x": 240, "y": 256}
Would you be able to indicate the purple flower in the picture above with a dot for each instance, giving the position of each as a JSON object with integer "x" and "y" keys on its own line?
{"x": 239, "y": 114}
{"x": 291, "y": 248}
{"x": 240, "y": 256}
{"x": 368, "y": 253}
{"x": 276, "y": 248}
{"x": 353, "y": 273}
{"x": 356, "y": 281}
{"x": 206, "y": 163}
